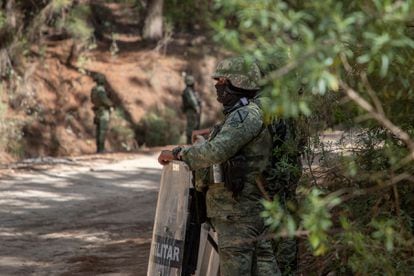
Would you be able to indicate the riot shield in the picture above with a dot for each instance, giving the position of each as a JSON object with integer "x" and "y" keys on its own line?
{"x": 166, "y": 255}
{"x": 208, "y": 258}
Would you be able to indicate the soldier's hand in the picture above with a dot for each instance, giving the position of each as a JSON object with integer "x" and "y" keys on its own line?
{"x": 165, "y": 157}
{"x": 203, "y": 133}
{"x": 197, "y": 139}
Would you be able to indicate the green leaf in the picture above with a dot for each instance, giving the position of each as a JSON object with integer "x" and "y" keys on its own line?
{"x": 364, "y": 58}
{"x": 291, "y": 226}
{"x": 384, "y": 65}
{"x": 332, "y": 81}
{"x": 314, "y": 240}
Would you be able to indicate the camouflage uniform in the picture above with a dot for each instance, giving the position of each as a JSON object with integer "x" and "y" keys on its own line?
{"x": 242, "y": 248}
{"x": 101, "y": 107}
{"x": 191, "y": 107}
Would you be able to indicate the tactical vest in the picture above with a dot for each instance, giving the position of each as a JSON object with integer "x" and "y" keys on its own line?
{"x": 99, "y": 97}
{"x": 190, "y": 100}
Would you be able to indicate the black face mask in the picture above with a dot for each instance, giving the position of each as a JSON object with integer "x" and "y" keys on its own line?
{"x": 225, "y": 95}
{"x": 221, "y": 92}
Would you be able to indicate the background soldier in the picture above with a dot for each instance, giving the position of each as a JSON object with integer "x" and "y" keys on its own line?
{"x": 191, "y": 107}
{"x": 228, "y": 163}
{"x": 101, "y": 107}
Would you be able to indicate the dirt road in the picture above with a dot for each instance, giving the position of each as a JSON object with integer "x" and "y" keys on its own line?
{"x": 83, "y": 216}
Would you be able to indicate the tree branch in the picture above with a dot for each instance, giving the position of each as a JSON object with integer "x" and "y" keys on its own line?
{"x": 349, "y": 193}
{"x": 384, "y": 121}
{"x": 372, "y": 94}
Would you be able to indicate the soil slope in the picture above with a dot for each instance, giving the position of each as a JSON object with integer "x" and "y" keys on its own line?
{"x": 52, "y": 100}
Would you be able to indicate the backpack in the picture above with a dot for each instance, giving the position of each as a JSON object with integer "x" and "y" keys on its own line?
{"x": 285, "y": 170}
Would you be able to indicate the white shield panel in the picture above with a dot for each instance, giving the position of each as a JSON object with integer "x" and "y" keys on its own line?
{"x": 166, "y": 255}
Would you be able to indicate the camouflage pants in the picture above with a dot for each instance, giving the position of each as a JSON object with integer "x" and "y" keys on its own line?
{"x": 102, "y": 122}
{"x": 242, "y": 249}
{"x": 193, "y": 123}
{"x": 286, "y": 250}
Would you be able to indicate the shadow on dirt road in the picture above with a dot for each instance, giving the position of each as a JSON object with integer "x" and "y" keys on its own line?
{"x": 89, "y": 218}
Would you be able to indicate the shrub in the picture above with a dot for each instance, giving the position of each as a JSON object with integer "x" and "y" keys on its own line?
{"x": 10, "y": 133}
{"x": 188, "y": 14}
{"x": 77, "y": 23}
{"x": 161, "y": 128}
{"x": 121, "y": 134}
{"x": 355, "y": 211}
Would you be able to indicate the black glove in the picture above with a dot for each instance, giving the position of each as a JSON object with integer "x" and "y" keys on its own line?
{"x": 176, "y": 152}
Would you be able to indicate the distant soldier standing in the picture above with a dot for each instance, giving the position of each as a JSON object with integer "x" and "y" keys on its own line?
{"x": 102, "y": 108}
{"x": 191, "y": 107}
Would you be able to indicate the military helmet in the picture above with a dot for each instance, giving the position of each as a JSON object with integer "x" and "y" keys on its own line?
{"x": 99, "y": 78}
{"x": 189, "y": 80}
{"x": 239, "y": 72}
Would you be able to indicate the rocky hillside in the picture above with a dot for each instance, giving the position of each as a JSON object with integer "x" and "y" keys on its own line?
{"x": 49, "y": 109}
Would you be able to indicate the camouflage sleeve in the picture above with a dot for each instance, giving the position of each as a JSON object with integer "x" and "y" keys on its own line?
{"x": 105, "y": 99}
{"x": 240, "y": 127}
{"x": 191, "y": 99}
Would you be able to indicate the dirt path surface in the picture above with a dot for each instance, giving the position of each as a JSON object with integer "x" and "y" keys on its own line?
{"x": 85, "y": 216}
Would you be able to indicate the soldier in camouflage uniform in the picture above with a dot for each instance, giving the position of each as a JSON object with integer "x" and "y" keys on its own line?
{"x": 227, "y": 165}
{"x": 101, "y": 107}
{"x": 191, "y": 107}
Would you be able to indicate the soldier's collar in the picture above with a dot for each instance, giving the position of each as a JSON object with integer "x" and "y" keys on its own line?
{"x": 242, "y": 102}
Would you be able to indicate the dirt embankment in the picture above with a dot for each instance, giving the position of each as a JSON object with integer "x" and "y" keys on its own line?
{"x": 52, "y": 101}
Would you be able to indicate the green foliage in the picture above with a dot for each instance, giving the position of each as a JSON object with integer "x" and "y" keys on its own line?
{"x": 77, "y": 23}
{"x": 161, "y": 128}
{"x": 187, "y": 14}
{"x": 31, "y": 20}
{"x": 121, "y": 134}
{"x": 130, "y": 2}
{"x": 385, "y": 250}
{"x": 2, "y": 19}
{"x": 278, "y": 217}
{"x": 331, "y": 50}
{"x": 59, "y": 5}
{"x": 315, "y": 214}
{"x": 319, "y": 40}
{"x": 316, "y": 218}
{"x": 81, "y": 63}
{"x": 10, "y": 131}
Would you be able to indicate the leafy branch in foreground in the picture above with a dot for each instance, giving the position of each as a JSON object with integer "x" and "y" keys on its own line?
{"x": 354, "y": 207}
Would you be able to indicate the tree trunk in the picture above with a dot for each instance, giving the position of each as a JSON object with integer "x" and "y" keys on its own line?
{"x": 11, "y": 14}
{"x": 153, "y": 22}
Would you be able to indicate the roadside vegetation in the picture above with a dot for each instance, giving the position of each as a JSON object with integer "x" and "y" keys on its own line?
{"x": 342, "y": 65}
{"x": 48, "y": 46}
